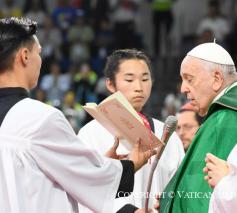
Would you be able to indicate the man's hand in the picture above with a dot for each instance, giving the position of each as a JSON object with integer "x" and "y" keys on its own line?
{"x": 138, "y": 156}
{"x": 112, "y": 152}
{"x": 157, "y": 203}
{"x": 216, "y": 169}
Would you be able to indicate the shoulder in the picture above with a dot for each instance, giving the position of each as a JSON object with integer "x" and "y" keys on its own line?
{"x": 32, "y": 116}
{"x": 32, "y": 106}
{"x": 29, "y": 109}
{"x": 93, "y": 129}
{"x": 95, "y": 135}
{"x": 90, "y": 126}
{"x": 222, "y": 116}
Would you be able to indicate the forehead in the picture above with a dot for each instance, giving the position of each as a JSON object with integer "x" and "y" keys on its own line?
{"x": 37, "y": 43}
{"x": 186, "y": 116}
{"x": 191, "y": 66}
{"x": 133, "y": 66}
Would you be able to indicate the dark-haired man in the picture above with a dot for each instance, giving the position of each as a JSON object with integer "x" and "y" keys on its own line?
{"x": 43, "y": 165}
{"x": 188, "y": 124}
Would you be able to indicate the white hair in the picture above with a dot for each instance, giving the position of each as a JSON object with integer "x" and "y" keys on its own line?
{"x": 227, "y": 70}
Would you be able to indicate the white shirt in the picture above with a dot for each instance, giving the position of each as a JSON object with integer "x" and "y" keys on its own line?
{"x": 44, "y": 167}
{"x": 224, "y": 196}
{"x": 96, "y": 136}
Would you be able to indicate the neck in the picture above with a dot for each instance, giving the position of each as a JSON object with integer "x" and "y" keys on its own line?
{"x": 230, "y": 81}
{"x": 10, "y": 79}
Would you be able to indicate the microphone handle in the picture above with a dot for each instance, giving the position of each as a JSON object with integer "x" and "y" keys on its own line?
{"x": 153, "y": 167}
{"x": 169, "y": 127}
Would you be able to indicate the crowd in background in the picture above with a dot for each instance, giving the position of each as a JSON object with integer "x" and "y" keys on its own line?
{"x": 77, "y": 36}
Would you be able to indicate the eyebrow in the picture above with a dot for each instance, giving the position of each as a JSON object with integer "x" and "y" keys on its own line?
{"x": 187, "y": 75}
{"x": 128, "y": 74}
{"x": 131, "y": 74}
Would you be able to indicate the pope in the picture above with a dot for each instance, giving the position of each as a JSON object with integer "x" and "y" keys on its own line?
{"x": 209, "y": 80}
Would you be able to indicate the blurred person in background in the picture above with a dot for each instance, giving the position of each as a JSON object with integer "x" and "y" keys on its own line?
{"x": 10, "y": 8}
{"x": 215, "y": 22}
{"x": 162, "y": 19}
{"x": 84, "y": 82}
{"x": 36, "y": 10}
{"x": 188, "y": 123}
{"x": 73, "y": 111}
{"x": 55, "y": 84}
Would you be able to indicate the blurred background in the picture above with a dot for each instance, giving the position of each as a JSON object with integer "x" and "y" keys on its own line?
{"x": 78, "y": 35}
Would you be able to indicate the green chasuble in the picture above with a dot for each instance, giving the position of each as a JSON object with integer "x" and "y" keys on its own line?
{"x": 188, "y": 192}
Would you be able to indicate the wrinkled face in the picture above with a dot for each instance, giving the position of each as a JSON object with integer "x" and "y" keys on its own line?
{"x": 33, "y": 69}
{"x": 197, "y": 84}
{"x": 133, "y": 79}
{"x": 187, "y": 126}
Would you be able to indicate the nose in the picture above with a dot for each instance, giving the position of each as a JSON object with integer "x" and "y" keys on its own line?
{"x": 138, "y": 86}
{"x": 180, "y": 132}
{"x": 184, "y": 88}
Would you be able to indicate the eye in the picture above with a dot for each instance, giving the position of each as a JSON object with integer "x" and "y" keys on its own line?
{"x": 190, "y": 80}
{"x": 147, "y": 79}
{"x": 128, "y": 80}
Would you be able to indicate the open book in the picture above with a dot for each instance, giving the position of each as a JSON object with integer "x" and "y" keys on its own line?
{"x": 117, "y": 115}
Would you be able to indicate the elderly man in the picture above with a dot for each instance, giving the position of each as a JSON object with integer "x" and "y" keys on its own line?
{"x": 209, "y": 80}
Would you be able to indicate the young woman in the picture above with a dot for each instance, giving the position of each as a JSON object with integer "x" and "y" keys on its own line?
{"x": 129, "y": 71}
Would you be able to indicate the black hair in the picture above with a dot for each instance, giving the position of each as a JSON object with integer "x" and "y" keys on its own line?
{"x": 14, "y": 33}
{"x": 198, "y": 118}
{"x": 118, "y": 56}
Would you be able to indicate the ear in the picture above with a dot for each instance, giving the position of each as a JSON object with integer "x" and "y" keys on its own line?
{"x": 218, "y": 80}
{"x": 110, "y": 86}
{"x": 24, "y": 56}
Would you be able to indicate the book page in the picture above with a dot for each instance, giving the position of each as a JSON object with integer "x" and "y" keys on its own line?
{"x": 130, "y": 128}
{"x": 120, "y": 97}
{"x": 106, "y": 123}
{"x": 91, "y": 105}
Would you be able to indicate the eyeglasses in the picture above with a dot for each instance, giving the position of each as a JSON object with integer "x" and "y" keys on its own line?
{"x": 186, "y": 127}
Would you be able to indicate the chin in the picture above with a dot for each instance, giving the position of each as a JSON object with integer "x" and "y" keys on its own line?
{"x": 202, "y": 113}
{"x": 137, "y": 106}
{"x": 138, "y": 109}
{"x": 186, "y": 145}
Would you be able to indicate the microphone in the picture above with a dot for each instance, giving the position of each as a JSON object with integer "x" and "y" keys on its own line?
{"x": 168, "y": 129}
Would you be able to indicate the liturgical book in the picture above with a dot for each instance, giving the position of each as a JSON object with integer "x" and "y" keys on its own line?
{"x": 117, "y": 115}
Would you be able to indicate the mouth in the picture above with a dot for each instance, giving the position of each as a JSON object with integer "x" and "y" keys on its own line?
{"x": 138, "y": 98}
{"x": 192, "y": 101}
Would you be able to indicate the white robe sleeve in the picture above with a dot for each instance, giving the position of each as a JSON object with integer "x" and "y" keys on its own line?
{"x": 88, "y": 177}
{"x": 224, "y": 196}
